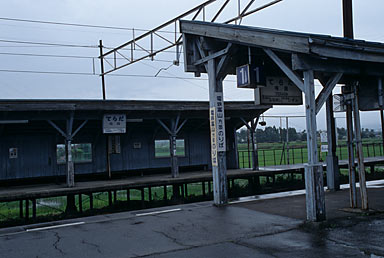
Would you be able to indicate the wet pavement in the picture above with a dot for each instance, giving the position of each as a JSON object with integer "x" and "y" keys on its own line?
{"x": 259, "y": 228}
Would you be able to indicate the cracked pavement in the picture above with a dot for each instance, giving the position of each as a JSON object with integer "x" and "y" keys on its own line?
{"x": 255, "y": 229}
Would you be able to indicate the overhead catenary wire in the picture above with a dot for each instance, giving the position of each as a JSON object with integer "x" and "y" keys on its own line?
{"x": 75, "y": 24}
{"x": 47, "y": 43}
{"x": 74, "y": 56}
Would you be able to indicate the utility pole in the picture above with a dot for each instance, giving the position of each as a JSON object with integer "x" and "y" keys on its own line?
{"x": 104, "y": 98}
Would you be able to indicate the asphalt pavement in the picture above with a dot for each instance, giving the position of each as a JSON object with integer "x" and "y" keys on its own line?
{"x": 262, "y": 226}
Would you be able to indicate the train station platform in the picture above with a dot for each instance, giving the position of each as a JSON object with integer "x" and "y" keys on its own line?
{"x": 30, "y": 192}
{"x": 260, "y": 226}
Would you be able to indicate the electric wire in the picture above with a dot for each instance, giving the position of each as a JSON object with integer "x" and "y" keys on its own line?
{"x": 75, "y": 56}
{"x": 75, "y": 24}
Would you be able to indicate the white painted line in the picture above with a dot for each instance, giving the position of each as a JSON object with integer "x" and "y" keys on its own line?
{"x": 56, "y": 226}
{"x": 157, "y": 212}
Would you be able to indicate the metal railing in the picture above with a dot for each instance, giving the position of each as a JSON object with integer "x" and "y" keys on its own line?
{"x": 299, "y": 154}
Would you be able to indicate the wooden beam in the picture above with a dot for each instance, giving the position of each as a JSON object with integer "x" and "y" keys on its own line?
{"x": 181, "y": 126}
{"x": 327, "y": 91}
{"x": 79, "y": 128}
{"x": 245, "y": 123}
{"x": 347, "y": 54}
{"x": 247, "y": 36}
{"x": 291, "y": 74}
{"x": 57, "y": 128}
{"x": 164, "y": 126}
{"x": 212, "y": 56}
{"x": 331, "y": 65}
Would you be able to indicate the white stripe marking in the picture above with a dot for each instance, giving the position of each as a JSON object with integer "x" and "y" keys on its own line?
{"x": 57, "y": 226}
{"x": 157, "y": 212}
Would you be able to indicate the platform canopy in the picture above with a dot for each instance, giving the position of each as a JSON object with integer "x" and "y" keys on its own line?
{"x": 299, "y": 51}
{"x": 295, "y": 60}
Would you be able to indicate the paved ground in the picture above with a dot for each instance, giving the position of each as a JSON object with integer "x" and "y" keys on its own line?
{"x": 261, "y": 228}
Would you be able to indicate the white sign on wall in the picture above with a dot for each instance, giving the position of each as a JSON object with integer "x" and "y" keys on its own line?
{"x": 114, "y": 123}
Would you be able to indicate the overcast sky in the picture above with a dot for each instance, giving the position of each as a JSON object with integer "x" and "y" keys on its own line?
{"x": 323, "y": 17}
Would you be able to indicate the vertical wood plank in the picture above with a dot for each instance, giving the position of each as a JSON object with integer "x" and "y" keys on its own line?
{"x": 315, "y": 199}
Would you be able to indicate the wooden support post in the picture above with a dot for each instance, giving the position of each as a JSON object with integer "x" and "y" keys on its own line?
{"x": 359, "y": 152}
{"x": 71, "y": 204}
{"x": 109, "y": 171}
{"x": 182, "y": 192}
{"x": 203, "y": 188}
{"x": 80, "y": 203}
{"x": 351, "y": 157}
{"x": 174, "y": 161}
{"x": 26, "y": 209}
{"x": 173, "y": 131}
{"x": 314, "y": 186}
{"x": 175, "y": 192}
{"x": 254, "y": 145}
{"x": 252, "y": 133}
{"x": 110, "y": 198}
{"x": 333, "y": 171}
{"x": 69, "y": 164}
{"x": 68, "y": 153}
{"x": 114, "y": 196}
{"x": 34, "y": 208}
{"x": 251, "y": 185}
{"x": 150, "y": 194}
{"x": 287, "y": 139}
{"x": 21, "y": 208}
{"x": 217, "y": 127}
{"x": 165, "y": 196}
{"x": 372, "y": 169}
{"x": 382, "y": 128}
{"x": 186, "y": 190}
{"x": 142, "y": 198}
{"x": 91, "y": 201}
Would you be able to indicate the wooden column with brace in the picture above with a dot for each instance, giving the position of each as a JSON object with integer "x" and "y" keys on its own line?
{"x": 172, "y": 131}
{"x": 68, "y": 154}
{"x": 217, "y": 126}
{"x": 333, "y": 182}
{"x": 314, "y": 185}
{"x": 68, "y": 135}
{"x": 216, "y": 65}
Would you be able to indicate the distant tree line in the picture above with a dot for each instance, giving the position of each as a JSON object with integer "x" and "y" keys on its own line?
{"x": 273, "y": 134}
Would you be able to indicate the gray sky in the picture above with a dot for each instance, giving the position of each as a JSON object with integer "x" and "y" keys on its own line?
{"x": 323, "y": 17}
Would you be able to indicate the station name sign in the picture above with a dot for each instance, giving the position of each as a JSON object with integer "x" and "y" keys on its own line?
{"x": 279, "y": 91}
{"x": 114, "y": 124}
